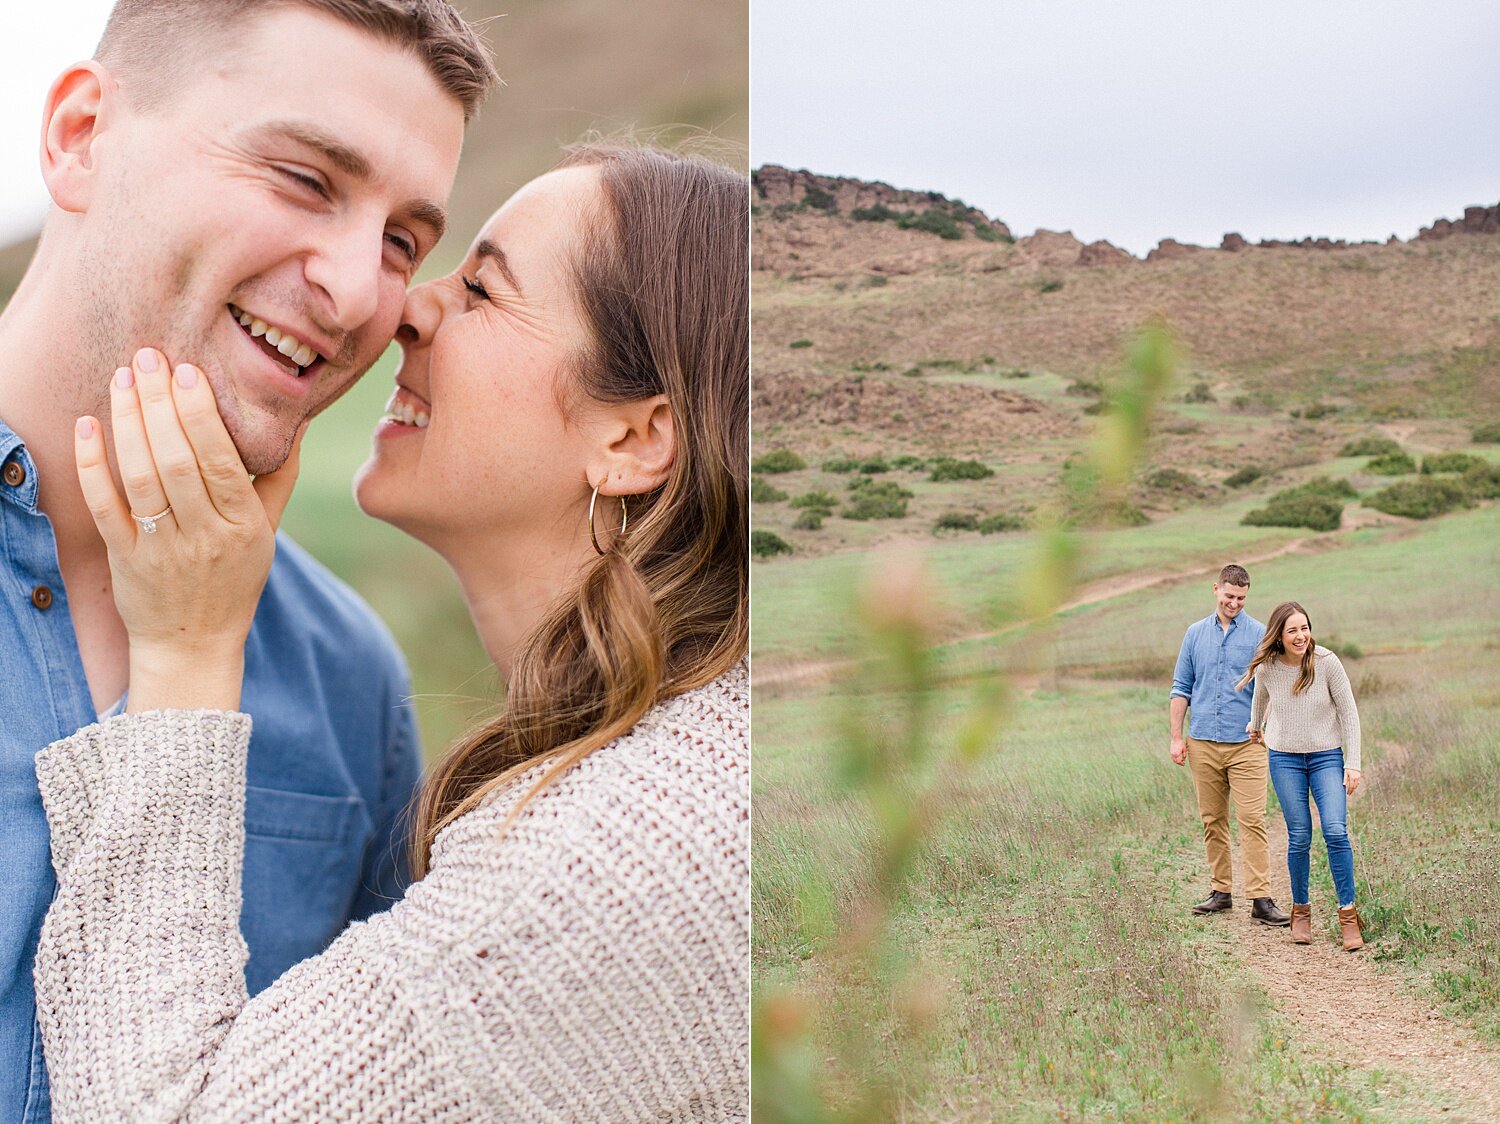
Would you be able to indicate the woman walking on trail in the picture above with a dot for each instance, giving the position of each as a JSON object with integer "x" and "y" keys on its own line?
{"x": 1304, "y": 712}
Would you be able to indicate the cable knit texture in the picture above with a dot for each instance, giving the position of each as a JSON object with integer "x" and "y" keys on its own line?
{"x": 1322, "y": 717}
{"x": 590, "y": 964}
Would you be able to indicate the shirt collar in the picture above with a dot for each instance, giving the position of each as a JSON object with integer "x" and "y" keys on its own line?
{"x": 12, "y": 448}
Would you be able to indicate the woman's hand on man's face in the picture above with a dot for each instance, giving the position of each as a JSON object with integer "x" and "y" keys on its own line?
{"x": 187, "y": 589}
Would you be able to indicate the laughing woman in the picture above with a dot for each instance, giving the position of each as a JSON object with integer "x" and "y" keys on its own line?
{"x": 570, "y": 433}
{"x": 1304, "y": 712}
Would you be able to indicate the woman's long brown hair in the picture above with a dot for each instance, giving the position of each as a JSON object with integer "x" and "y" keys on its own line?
{"x": 1271, "y": 647}
{"x": 663, "y": 283}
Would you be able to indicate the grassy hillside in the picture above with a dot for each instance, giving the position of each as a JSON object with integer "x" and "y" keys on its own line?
{"x": 1048, "y": 911}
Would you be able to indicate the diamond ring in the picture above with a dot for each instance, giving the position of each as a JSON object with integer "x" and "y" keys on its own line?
{"x": 148, "y": 522}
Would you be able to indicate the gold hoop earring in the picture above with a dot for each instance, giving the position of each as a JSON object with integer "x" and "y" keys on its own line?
{"x": 593, "y": 536}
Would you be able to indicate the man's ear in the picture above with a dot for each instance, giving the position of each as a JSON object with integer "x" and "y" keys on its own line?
{"x": 637, "y": 447}
{"x": 70, "y": 126}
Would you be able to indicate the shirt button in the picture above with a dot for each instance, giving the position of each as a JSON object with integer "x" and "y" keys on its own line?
{"x": 14, "y": 474}
{"x": 41, "y": 597}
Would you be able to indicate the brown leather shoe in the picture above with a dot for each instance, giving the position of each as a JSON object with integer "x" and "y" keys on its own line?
{"x": 1351, "y": 926}
{"x": 1264, "y": 910}
{"x": 1216, "y": 902}
{"x": 1301, "y": 923}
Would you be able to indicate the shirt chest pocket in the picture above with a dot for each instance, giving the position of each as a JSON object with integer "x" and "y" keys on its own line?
{"x": 1237, "y": 657}
{"x": 303, "y": 857}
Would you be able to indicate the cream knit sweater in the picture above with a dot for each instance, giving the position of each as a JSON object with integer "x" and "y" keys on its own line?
{"x": 1322, "y": 717}
{"x": 591, "y": 964}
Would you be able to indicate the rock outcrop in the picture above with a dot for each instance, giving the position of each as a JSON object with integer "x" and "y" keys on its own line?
{"x": 1476, "y": 220}
{"x": 778, "y": 187}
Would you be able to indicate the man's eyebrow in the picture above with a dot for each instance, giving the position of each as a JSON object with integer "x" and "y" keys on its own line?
{"x": 340, "y": 155}
{"x": 488, "y": 249}
{"x": 429, "y": 214}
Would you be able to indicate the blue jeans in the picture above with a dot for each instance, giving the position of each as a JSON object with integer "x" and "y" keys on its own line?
{"x": 1295, "y": 775}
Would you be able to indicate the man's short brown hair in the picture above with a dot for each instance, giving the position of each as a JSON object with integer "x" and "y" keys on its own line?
{"x": 150, "y": 41}
{"x": 1235, "y": 575}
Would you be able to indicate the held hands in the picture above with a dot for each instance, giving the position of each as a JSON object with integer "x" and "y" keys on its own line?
{"x": 1253, "y": 733}
{"x": 1351, "y": 781}
{"x": 186, "y": 591}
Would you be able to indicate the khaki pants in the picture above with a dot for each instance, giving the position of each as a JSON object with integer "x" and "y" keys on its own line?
{"x": 1237, "y": 769}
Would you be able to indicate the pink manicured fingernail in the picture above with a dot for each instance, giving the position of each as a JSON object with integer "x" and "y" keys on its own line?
{"x": 124, "y": 378}
{"x": 85, "y": 428}
{"x": 187, "y": 377}
{"x": 145, "y": 359}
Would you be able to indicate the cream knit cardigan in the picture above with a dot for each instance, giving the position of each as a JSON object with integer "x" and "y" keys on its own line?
{"x": 591, "y": 964}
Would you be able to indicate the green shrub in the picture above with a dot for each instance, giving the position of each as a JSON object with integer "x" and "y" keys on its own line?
{"x": 880, "y": 487}
{"x": 1199, "y": 392}
{"x": 822, "y": 499}
{"x": 1316, "y": 512}
{"x": 987, "y": 233}
{"x": 1085, "y": 388}
{"x": 1487, "y": 434}
{"x": 763, "y": 491}
{"x": 1318, "y": 410}
{"x": 1449, "y": 462}
{"x": 933, "y": 222}
{"x": 948, "y": 468}
{"x": 908, "y": 463}
{"x": 811, "y": 519}
{"x": 997, "y": 524}
{"x": 1371, "y": 445}
{"x": 768, "y": 544}
{"x": 841, "y": 465}
{"x": 878, "y": 213}
{"x": 1245, "y": 476}
{"x": 1017, "y": 373}
{"x": 1483, "y": 481}
{"x": 819, "y": 200}
{"x": 1173, "y": 480}
{"x": 876, "y": 499}
{"x": 1325, "y": 487}
{"x": 1051, "y": 285}
{"x": 913, "y": 373}
{"x": 779, "y": 460}
{"x": 798, "y": 344}
{"x": 1420, "y": 499}
{"x": 955, "y": 521}
{"x": 877, "y": 281}
{"x": 874, "y": 465}
{"x": 1391, "y": 464}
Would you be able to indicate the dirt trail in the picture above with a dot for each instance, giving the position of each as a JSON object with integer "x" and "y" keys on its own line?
{"x": 779, "y": 678}
{"x": 1339, "y": 1005}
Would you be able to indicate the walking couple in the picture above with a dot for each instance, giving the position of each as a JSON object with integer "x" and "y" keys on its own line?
{"x": 1267, "y": 699}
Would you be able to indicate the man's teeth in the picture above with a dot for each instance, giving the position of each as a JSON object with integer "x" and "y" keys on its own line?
{"x": 406, "y": 413}
{"x": 284, "y": 342}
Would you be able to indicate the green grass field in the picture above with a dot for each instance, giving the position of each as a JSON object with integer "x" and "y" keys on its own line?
{"x": 1045, "y": 921}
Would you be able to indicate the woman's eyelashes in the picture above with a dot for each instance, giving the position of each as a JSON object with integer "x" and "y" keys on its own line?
{"x": 476, "y": 289}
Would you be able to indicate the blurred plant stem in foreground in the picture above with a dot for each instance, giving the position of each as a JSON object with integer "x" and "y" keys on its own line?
{"x": 905, "y": 780}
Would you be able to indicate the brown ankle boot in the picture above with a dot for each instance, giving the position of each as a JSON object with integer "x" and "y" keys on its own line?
{"x": 1301, "y": 924}
{"x": 1350, "y": 925}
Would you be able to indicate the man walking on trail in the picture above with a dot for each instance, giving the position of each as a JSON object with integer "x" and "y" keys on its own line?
{"x": 1225, "y": 763}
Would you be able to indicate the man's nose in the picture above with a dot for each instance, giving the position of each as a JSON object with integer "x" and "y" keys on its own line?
{"x": 346, "y": 267}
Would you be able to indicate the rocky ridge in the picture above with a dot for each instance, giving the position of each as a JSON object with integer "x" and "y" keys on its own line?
{"x": 797, "y": 196}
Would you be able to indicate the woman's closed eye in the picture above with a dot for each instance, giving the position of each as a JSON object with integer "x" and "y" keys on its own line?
{"x": 475, "y": 288}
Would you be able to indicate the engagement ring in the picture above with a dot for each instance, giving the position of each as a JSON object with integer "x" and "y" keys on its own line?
{"x": 148, "y": 522}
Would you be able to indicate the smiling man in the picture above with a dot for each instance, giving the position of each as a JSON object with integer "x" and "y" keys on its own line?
{"x": 1226, "y": 765}
{"x": 248, "y": 185}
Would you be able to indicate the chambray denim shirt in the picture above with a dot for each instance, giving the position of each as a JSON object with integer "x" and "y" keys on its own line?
{"x": 333, "y": 761}
{"x": 1210, "y": 663}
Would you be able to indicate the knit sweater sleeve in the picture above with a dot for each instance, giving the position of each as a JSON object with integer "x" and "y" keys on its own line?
{"x": 588, "y": 962}
{"x": 1260, "y": 703}
{"x": 1342, "y": 694}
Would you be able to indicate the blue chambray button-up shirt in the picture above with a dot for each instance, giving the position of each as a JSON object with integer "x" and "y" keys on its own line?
{"x": 333, "y": 761}
{"x": 1211, "y": 662}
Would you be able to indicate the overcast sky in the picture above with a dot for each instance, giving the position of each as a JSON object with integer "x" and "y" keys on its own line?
{"x": 1136, "y": 120}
